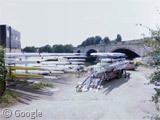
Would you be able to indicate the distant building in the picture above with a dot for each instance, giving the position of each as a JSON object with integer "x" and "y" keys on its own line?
{"x": 10, "y": 39}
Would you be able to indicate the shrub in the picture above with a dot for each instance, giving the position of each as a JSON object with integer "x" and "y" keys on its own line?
{"x": 42, "y": 85}
{"x": 3, "y": 72}
{"x": 8, "y": 99}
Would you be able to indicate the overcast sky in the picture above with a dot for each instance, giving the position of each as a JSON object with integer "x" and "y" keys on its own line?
{"x": 51, "y": 22}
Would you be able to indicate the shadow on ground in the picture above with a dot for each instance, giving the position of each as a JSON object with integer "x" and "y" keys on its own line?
{"x": 27, "y": 93}
{"x": 63, "y": 80}
{"x": 114, "y": 83}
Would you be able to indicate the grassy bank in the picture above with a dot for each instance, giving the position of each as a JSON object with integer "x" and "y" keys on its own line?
{"x": 9, "y": 98}
{"x": 42, "y": 85}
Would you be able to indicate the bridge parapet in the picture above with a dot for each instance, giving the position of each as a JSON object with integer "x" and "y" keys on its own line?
{"x": 131, "y": 45}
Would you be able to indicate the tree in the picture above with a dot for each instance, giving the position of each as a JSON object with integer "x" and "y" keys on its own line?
{"x": 68, "y": 48}
{"x": 3, "y": 72}
{"x": 58, "y": 48}
{"x": 92, "y": 41}
{"x": 119, "y": 38}
{"x": 154, "y": 42}
{"x": 29, "y": 49}
{"x": 98, "y": 39}
{"x": 46, "y": 48}
{"x": 106, "y": 40}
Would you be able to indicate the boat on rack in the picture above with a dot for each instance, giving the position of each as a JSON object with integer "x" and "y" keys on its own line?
{"x": 109, "y": 66}
{"x": 43, "y": 63}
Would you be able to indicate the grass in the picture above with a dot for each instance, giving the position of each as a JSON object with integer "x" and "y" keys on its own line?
{"x": 9, "y": 98}
{"x": 42, "y": 85}
{"x": 155, "y": 99}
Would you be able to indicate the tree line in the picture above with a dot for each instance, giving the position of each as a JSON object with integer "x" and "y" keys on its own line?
{"x": 97, "y": 40}
{"x": 69, "y": 48}
{"x": 47, "y": 48}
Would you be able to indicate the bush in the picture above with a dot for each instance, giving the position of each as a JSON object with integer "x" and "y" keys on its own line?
{"x": 9, "y": 98}
{"x": 3, "y": 72}
{"x": 155, "y": 77}
{"x": 42, "y": 85}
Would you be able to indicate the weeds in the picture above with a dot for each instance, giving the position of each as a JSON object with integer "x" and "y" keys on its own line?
{"x": 9, "y": 98}
{"x": 155, "y": 77}
{"x": 42, "y": 85}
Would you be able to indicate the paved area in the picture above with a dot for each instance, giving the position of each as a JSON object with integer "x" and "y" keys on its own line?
{"x": 120, "y": 99}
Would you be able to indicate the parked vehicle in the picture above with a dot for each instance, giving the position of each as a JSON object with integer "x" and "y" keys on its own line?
{"x": 131, "y": 65}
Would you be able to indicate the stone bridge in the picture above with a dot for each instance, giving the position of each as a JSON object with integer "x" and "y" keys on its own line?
{"x": 130, "y": 48}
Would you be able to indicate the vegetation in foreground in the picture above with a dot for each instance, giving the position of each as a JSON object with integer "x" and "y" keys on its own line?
{"x": 42, "y": 85}
{"x": 3, "y": 72}
{"x": 9, "y": 98}
{"x": 154, "y": 43}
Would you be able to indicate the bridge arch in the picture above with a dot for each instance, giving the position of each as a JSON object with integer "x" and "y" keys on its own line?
{"x": 78, "y": 51}
{"x": 130, "y": 53}
{"x": 89, "y": 57}
{"x": 91, "y": 51}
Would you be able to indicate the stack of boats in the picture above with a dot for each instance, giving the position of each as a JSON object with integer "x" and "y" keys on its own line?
{"x": 30, "y": 64}
{"x": 109, "y": 66}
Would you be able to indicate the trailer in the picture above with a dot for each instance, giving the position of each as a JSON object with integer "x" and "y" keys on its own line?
{"x": 107, "y": 69}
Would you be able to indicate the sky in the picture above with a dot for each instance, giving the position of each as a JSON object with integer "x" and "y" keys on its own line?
{"x": 43, "y": 22}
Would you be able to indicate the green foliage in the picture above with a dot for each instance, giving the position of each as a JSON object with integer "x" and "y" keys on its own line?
{"x": 97, "y": 40}
{"x": 155, "y": 98}
{"x": 29, "y": 49}
{"x": 3, "y": 72}
{"x": 42, "y": 85}
{"x": 106, "y": 40}
{"x": 46, "y": 48}
{"x": 58, "y": 48}
{"x": 67, "y": 48}
{"x": 155, "y": 77}
{"x": 118, "y": 39}
{"x": 62, "y": 48}
{"x": 92, "y": 41}
{"x": 8, "y": 98}
{"x": 152, "y": 42}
